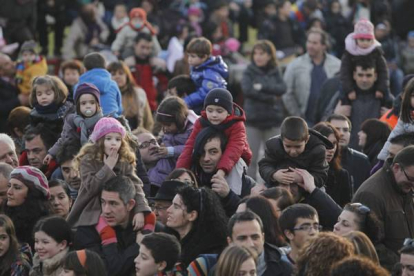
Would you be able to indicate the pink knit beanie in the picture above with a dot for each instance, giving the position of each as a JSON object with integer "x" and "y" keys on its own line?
{"x": 33, "y": 178}
{"x": 364, "y": 29}
{"x": 104, "y": 126}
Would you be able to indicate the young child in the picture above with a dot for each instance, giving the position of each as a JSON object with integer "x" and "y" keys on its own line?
{"x": 96, "y": 73}
{"x": 405, "y": 123}
{"x": 120, "y": 17}
{"x": 221, "y": 114}
{"x": 207, "y": 72}
{"x": 48, "y": 99}
{"x": 31, "y": 65}
{"x": 177, "y": 124}
{"x": 158, "y": 254}
{"x": 108, "y": 155}
{"x": 71, "y": 71}
{"x": 124, "y": 41}
{"x": 79, "y": 126}
{"x": 296, "y": 147}
{"x": 181, "y": 86}
{"x": 362, "y": 42}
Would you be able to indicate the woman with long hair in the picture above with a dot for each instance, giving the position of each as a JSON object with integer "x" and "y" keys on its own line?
{"x": 134, "y": 99}
{"x": 262, "y": 86}
{"x": 363, "y": 245}
{"x": 197, "y": 216}
{"x": 27, "y": 201}
{"x": 338, "y": 184}
{"x": 13, "y": 261}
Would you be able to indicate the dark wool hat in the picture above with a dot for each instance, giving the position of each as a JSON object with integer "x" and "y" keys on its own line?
{"x": 220, "y": 97}
{"x": 168, "y": 190}
{"x": 87, "y": 88}
{"x": 29, "y": 46}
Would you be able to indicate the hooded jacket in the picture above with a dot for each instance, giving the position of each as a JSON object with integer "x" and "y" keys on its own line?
{"x": 211, "y": 74}
{"x": 312, "y": 159}
{"x": 111, "y": 98}
{"x": 236, "y": 147}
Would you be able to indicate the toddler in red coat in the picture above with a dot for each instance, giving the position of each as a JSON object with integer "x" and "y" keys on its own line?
{"x": 221, "y": 114}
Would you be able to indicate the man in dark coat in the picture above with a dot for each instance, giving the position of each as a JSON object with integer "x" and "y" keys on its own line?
{"x": 389, "y": 194}
{"x": 113, "y": 238}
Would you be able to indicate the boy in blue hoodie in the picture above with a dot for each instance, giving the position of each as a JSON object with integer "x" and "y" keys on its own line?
{"x": 111, "y": 98}
{"x": 207, "y": 72}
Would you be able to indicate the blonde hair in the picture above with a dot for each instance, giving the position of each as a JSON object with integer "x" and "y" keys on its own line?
{"x": 232, "y": 259}
{"x": 96, "y": 151}
{"x": 363, "y": 245}
{"x": 59, "y": 89}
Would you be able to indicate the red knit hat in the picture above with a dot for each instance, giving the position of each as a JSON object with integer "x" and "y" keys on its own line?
{"x": 138, "y": 12}
{"x": 364, "y": 29}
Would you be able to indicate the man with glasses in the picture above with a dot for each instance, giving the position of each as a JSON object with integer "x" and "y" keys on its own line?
{"x": 299, "y": 223}
{"x": 389, "y": 194}
{"x": 407, "y": 258}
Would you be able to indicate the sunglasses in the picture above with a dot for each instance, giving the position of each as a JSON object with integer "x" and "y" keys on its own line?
{"x": 361, "y": 208}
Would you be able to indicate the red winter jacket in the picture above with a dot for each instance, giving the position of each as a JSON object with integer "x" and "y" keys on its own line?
{"x": 143, "y": 75}
{"x": 237, "y": 145}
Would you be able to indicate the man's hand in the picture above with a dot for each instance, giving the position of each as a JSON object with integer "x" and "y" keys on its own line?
{"x": 308, "y": 180}
{"x": 343, "y": 109}
{"x": 220, "y": 186}
{"x": 283, "y": 177}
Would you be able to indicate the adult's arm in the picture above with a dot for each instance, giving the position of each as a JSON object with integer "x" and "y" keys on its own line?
{"x": 289, "y": 98}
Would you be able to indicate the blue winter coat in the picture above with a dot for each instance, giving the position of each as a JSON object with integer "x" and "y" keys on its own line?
{"x": 211, "y": 74}
{"x": 111, "y": 99}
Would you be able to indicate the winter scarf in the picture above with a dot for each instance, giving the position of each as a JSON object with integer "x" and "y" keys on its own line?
{"x": 86, "y": 124}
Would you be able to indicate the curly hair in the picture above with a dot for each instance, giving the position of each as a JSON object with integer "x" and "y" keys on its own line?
{"x": 368, "y": 222}
{"x": 96, "y": 151}
{"x": 357, "y": 266}
{"x": 314, "y": 259}
{"x": 232, "y": 258}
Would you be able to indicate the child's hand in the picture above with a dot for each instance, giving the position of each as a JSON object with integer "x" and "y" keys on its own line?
{"x": 111, "y": 159}
{"x": 138, "y": 221}
{"x": 47, "y": 159}
{"x": 379, "y": 95}
{"x": 220, "y": 173}
{"x": 162, "y": 152}
{"x": 352, "y": 95}
{"x": 283, "y": 177}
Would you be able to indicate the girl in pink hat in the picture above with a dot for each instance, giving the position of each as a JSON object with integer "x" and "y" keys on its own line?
{"x": 107, "y": 156}
{"x": 362, "y": 44}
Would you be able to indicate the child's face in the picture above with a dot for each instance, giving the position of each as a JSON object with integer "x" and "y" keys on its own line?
{"x": 216, "y": 114}
{"x": 137, "y": 22}
{"x": 4, "y": 241}
{"x": 119, "y": 77}
{"x": 144, "y": 263}
{"x": 169, "y": 128}
{"x": 46, "y": 247}
{"x": 71, "y": 76}
{"x": 261, "y": 58}
{"x": 335, "y": 7}
{"x": 28, "y": 56}
{"x": 87, "y": 105}
{"x": 294, "y": 148}
{"x": 194, "y": 18}
{"x": 194, "y": 60}
{"x": 120, "y": 12}
{"x": 364, "y": 43}
{"x": 44, "y": 94}
{"x": 112, "y": 142}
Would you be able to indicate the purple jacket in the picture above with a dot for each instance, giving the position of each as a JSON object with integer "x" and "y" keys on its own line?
{"x": 166, "y": 165}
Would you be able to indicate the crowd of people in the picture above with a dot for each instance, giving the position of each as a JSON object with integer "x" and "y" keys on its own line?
{"x": 151, "y": 138}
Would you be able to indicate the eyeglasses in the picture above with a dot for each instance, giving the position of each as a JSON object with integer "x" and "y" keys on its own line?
{"x": 361, "y": 208}
{"x": 406, "y": 175}
{"x": 159, "y": 208}
{"x": 146, "y": 144}
{"x": 308, "y": 228}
